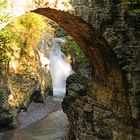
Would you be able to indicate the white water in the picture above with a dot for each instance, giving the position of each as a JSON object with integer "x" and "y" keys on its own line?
{"x": 60, "y": 69}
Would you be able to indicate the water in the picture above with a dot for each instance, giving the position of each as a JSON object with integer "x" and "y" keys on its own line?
{"x": 60, "y": 69}
{"x": 52, "y": 58}
{"x": 52, "y": 127}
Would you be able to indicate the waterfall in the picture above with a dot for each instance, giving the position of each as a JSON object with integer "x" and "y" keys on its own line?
{"x": 60, "y": 69}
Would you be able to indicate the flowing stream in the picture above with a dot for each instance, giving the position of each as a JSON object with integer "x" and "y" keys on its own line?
{"x": 51, "y": 125}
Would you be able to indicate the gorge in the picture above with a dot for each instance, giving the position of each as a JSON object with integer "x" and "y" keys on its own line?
{"x": 104, "y": 105}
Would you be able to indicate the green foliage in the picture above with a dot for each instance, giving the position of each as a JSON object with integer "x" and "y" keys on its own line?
{"x": 132, "y": 4}
{"x": 71, "y": 46}
{"x": 78, "y": 60}
{"x": 135, "y": 12}
{"x": 72, "y": 49}
{"x": 4, "y": 58}
{"x": 2, "y": 4}
{"x": 22, "y": 35}
{"x": 4, "y": 16}
{"x": 5, "y": 38}
{"x": 30, "y": 28}
{"x": 9, "y": 36}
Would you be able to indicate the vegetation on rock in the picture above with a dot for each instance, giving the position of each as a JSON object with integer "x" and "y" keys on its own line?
{"x": 19, "y": 62}
{"x": 4, "y": 16}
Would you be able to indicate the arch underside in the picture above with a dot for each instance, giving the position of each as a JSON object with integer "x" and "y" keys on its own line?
{"x": 100, "y": 56}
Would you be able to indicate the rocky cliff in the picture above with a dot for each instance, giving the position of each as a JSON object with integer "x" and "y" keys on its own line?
{"x": 22, "y": 81}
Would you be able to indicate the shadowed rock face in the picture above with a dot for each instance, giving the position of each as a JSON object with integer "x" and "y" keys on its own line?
{"x": 118, "y": 21}
{"x": 94, "y": 112}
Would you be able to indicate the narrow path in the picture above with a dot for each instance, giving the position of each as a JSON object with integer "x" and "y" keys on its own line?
{"x": 53, "y": 127}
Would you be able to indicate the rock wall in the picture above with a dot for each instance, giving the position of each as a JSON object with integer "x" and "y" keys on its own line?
{"x": 97, "y": 112}
{"x": 120, "y": 24}
{"x": 29, "y": 81}
{"x": 92, "y": 116}
{"x": 7, "y": 116}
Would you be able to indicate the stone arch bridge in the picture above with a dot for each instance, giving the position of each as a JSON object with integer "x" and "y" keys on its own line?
{"x": 106, "y": 32}
{"x": 76, "y": 22}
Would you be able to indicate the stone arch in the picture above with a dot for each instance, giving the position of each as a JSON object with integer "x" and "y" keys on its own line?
{"x": 101, "y": 57}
